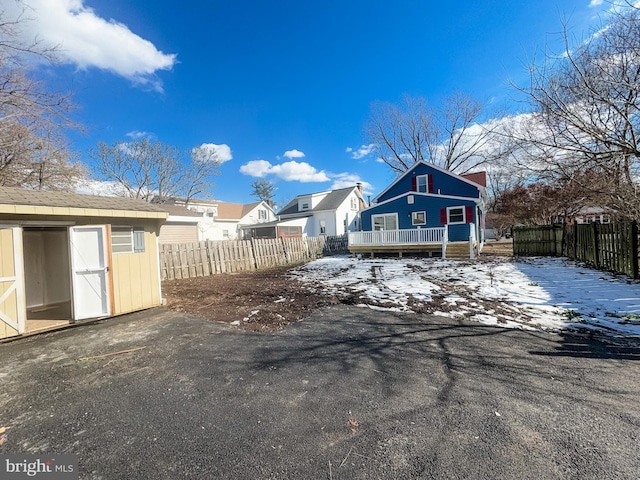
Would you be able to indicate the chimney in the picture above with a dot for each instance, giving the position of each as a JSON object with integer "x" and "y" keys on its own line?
{"x": 361, "y": 198}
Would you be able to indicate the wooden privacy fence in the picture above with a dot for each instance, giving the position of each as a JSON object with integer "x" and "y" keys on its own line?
{"x": 612, "y": 247}
{"x": 188, "y": 260}
{"x": 544, "y": 240}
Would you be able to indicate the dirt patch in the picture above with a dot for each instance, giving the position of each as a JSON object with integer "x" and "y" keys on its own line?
{"x": 264, "y": 300}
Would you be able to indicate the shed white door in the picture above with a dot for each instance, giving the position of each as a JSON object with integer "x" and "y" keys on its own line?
{"x": 89, "y": 271}
{"x": 12, "y": 298}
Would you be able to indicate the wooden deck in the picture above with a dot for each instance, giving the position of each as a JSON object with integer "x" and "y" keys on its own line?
{"x": 432, "y": 242}
{"x": 453, "y": 250}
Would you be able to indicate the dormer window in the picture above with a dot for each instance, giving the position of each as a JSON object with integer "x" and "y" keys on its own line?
{"x": 305, "y": 206}
{"x": 423, "y": 184}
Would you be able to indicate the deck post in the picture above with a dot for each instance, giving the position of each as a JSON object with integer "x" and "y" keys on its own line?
{"x": 472, "y": 240}
{"x": 445, "y": 239}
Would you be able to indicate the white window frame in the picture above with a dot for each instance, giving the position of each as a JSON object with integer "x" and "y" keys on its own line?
{"x": 354, "y": 203}
{"x": 304, "y": 206}
{"x": 464, "y": 215}
{"x": 426, "y": 183}
{"x": 262, "y": 214}
{"x": 385, "y": 216}
{"x": 323, "y": 227}
{"x": 131, "y": 239}
{"x": 413, "y": 218}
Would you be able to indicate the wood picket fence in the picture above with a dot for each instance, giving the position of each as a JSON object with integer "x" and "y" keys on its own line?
{"x": 188, "y": 260}
{"x": 612, "y": 247}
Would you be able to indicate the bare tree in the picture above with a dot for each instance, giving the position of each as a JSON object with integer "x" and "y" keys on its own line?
{"x": 263, "y": 190}
{"x": 155, "y": 172}
{"x": 33, "y": 151}
{"x": 587, "y": 112}
{"x": 451, "y": 136}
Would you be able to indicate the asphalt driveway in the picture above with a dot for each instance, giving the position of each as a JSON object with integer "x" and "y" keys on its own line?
{"x": 347, "y": 393}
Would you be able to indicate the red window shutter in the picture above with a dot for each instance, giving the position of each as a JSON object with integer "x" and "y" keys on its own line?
{"x": 469, "y": 213}
{"x": 443, "y": 216}
{"x": 414, "y": 184}
{"x": 430, "y": 183}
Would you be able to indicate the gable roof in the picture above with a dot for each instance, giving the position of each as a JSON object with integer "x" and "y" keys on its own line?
{"x": 477, "y": 177}
{"x": 234, "y": 211}
{"x": 179, "y": 211}
{"x": 463, "y": 178}
{"x": 25, "y": 201}
{"x": 332, "y": 200}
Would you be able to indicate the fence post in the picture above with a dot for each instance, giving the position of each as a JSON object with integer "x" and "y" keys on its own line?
{"x": 634, "y": 248}
{"x": 596, "y": 245}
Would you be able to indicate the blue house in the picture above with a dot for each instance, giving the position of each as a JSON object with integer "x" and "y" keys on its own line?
{"x": 427, "y": 209}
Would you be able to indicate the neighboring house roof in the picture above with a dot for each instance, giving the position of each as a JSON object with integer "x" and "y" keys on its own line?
{"x": 226, "y": 210}
{"x": 25, "y": 201}
{"x": 332, "y": 200}
{"x": 234, "y": 211}
{"x": 478, "y": 177}
{"x": 178, "y": 211}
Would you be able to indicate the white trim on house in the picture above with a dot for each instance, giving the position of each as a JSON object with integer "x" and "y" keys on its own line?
{"x": 383, "y": 215}
{"x": 477, "y": 201}
{"x": 457, "y": 207}
{"x": 428, "y": 164}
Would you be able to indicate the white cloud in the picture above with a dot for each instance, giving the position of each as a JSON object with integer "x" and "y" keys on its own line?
{"x": 222, "y": 152}
{"x": 256, "y": 168}
{"x": 299, "y": 171}
{"x": 595, "y": 3}
{"x": 294, "y": 154}
{"x": 361, "y": 152}
{"x": 289, "y": 171}
{"x": 136, "y": 134}
{"x": 87, "y": 40}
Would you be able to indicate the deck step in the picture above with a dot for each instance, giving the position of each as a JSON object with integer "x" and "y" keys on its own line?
{"x": 457, "y": 250}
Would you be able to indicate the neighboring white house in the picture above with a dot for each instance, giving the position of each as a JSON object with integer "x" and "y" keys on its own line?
{"x": 333, "y": 212}
{"x": 224, "y": 220}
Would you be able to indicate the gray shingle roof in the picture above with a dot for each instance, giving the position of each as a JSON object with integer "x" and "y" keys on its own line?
{"x": 332, "y": 201}
{"x": 22, "y": 196}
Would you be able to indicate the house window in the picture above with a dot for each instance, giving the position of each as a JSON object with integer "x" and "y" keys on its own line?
{"x": 127, "y": 239}
{"x": 323, "y": 227}
{"x": 388, "y": 221}
{"x": 262, "y": 214}
{"x": 418, "y": 218}
{"x": 225, "y": 233}
{"x": 455, "y": 215}
{"x": 354, "y": 203}
{"x": 422, "y": 184}
{"x": 305, "y": 206}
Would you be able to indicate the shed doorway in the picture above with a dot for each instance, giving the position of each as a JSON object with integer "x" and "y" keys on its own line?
{"x": 47, "y": 277}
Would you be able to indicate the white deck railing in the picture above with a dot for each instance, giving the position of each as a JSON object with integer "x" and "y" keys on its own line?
{"x": 415, "y": 236}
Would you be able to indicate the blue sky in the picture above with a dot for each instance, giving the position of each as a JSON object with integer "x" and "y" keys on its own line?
{"x": 282, "y": 89}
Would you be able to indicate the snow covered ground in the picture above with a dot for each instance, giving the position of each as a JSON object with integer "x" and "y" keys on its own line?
{"x": 533, "y": 293}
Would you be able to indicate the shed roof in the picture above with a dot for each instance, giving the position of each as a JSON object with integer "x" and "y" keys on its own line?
{"x": 40, "y": 202}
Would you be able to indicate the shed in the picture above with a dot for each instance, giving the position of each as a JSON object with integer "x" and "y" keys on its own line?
{"x": 67, "y": 257}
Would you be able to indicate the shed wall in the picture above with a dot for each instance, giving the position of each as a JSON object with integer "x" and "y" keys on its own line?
{"x": 136, "y": 281}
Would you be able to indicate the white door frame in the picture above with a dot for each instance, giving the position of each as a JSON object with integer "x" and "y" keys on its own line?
{"x": 17, "y": 286}
{"x": 89, "y": 299}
